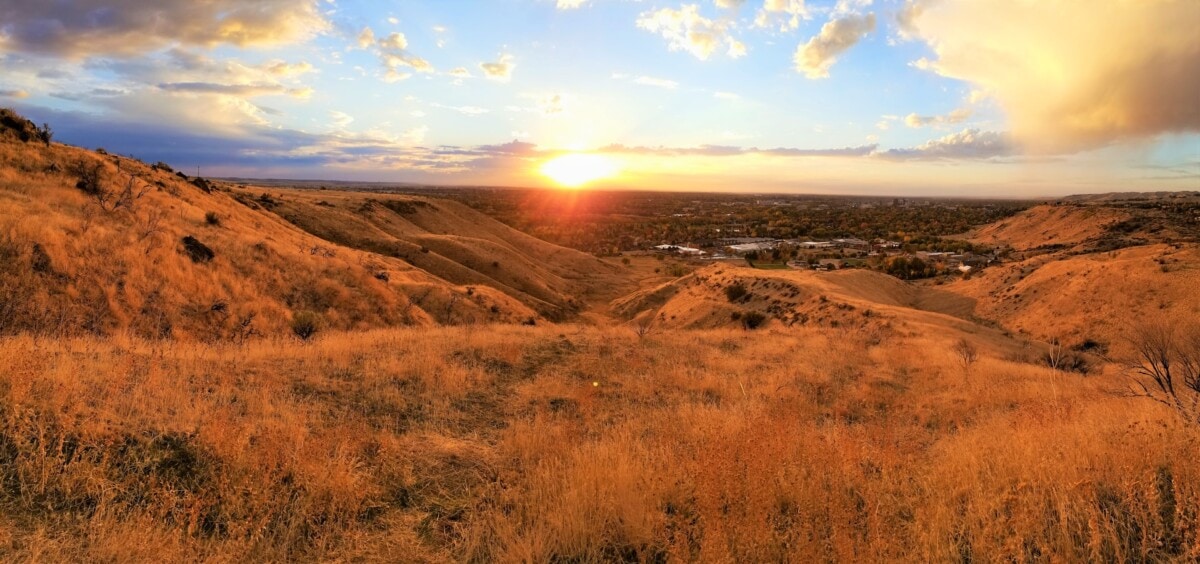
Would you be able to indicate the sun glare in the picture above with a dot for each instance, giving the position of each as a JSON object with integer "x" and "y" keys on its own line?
{"x": 576, "y": 169}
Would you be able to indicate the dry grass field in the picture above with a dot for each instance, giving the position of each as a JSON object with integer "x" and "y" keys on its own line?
{"x": 197, "y": 371}
{"x": 577, "y": 443}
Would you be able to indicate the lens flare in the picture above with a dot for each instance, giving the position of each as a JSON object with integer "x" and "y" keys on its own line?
{"x": 576, "y": 169}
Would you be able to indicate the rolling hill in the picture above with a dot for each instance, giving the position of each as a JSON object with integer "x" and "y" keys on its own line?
{"x": 95, "y": 243}
{"x": 1084, "y": 274}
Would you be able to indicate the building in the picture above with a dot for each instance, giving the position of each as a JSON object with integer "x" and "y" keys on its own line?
{"x": 678, "y": 249}
{"x": 752, "y": 247}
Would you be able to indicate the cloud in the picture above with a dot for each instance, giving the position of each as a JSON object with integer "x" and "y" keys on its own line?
{"x": 686, "y": 30}
{"x": 285, "y": 69}
{"x": 551, "y": 104}
{"x": 13, "y": 94}
{"x": 656, "y": 82}
{"x": 460, "y": 72}
{"x": 957, "y": 116}
{"x": 815, "y": 58}
{"x": 366, "y": 38}
{"x": 340, "y": 119}
{"x": 393, "y": 52}
{"x": 966, "y": 144}
{"x": 499, "y": 70}
{"x": 1073, "y": 74}
{"x": 728, "y": 151}
{"x": 464, "y": 110}
{"x": 729, "y": 4}
{"x": 242, "y": 90}
{"x": 785, "y": 15}
{"x": 129, "y": 28}
{"x": 569, "y": 4}
{"x": 726, "y": 96}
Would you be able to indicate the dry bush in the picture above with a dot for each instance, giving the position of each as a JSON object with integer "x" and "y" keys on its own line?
{"x": 966, "y": 353}
{"x": 1166, "y": 365}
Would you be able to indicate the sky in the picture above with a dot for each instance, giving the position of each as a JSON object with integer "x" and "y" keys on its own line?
{"x": 976, "y": 98}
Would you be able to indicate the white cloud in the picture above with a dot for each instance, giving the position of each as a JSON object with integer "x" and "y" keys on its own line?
{"x": 966, "y": 144}
{"x": 569, "y": 4}
{"x": 1072, "y": 74}
{"x": 460, "y": 72}
{"x": 726, "y": 96}
{"x": 815, "y": 58}
{"x": 284, "y": 69}
{"x": 784, "y": 15}
{"x": 957, "y": 116}
{"x": 366, "y": 38}
{"x": 340, "y": 119}
{"x": 464, "y": 110}
{"x": 393, "y": 52}
{"x": 499, "y": 70}
{"x": 686, "y": 30}
{"x": 736, "y": 49}
{"x": 394, "y": 42}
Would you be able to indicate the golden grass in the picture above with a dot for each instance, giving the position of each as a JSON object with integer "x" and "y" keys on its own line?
{"x": 110, "y": 271}
{"x": 579, "y": 443}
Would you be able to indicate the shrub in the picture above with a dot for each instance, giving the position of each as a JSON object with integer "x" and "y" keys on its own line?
{"x": 197, "y": 251}
{"x": 45, "y": 133}
{"x": 735, "y": 291}
{"x": 753, "y": 319}
{"x": 88, "y": 177}
{"x": 212, "y": 218}
{"x": 162, "y": 166}
{"x": 306, "y": 324}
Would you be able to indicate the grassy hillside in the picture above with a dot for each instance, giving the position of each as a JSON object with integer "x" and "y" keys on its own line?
{"x": 157, "y": 405}
{"x": 1085, "y": 274}
{"x": 582, "y": 444}
{"x": 92, "y": 243}
{"x": 451, "y": 241}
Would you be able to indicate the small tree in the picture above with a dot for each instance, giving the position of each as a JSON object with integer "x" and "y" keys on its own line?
{"x": 1166, "y": 366}
{"x": 966, "y": 354}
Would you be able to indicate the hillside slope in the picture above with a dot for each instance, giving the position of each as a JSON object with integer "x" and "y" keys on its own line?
{"x": 876, "y": 306}
{"x": 1085, "y": 274}
{"x": 448, "y": 240}
{"x": 92, "y": 243}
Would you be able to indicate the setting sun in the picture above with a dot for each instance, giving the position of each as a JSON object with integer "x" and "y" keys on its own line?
{"x": 576, "y": 169}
